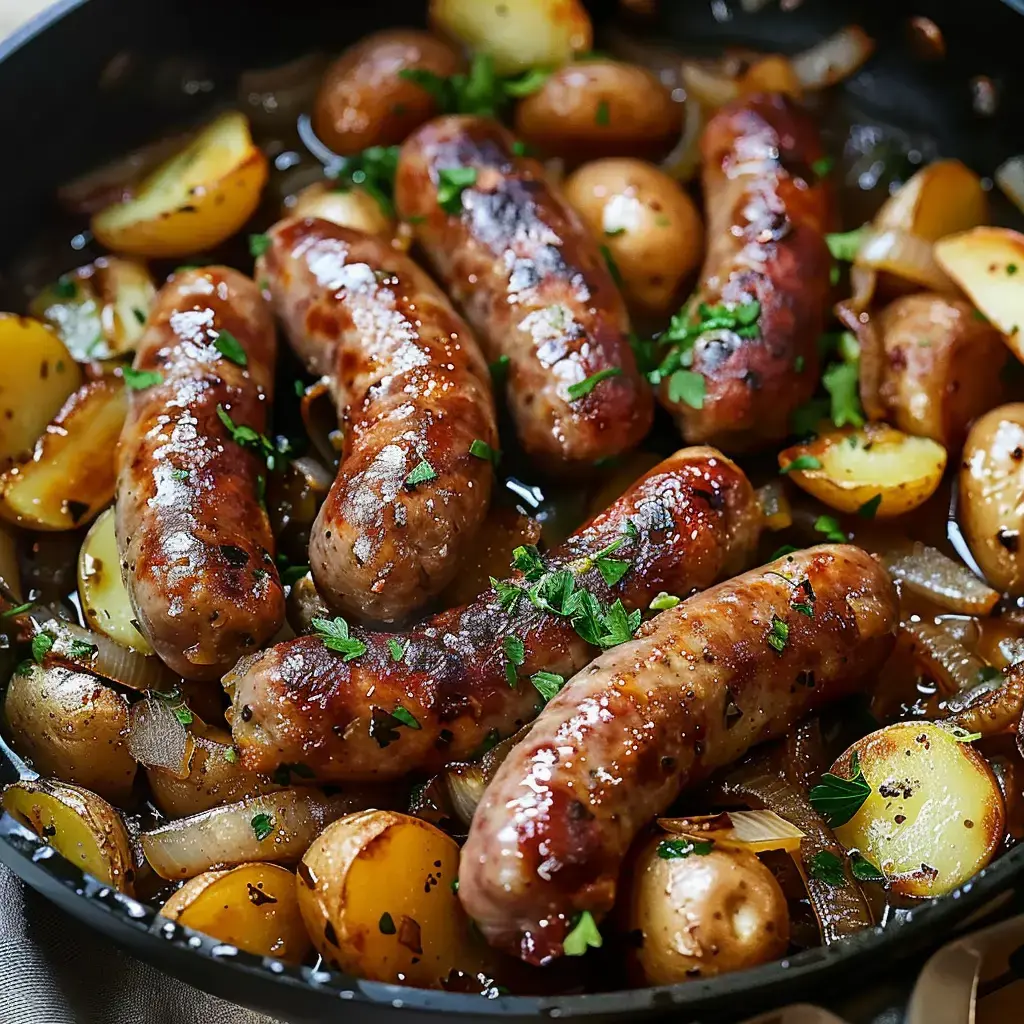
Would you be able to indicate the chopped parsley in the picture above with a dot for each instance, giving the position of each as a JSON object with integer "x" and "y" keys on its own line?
{"x": 778, "y": 635}
{"x": 829, "y": 526}
{"x": 663, "y": 601}
{"x": 421, "y": 474}
{"x": 583, "y": 936}
{"x": 258, "y": 245}
{"x": 230, "y": 348}
{"x": 864, "y": 871}
{"x": 452, "y": 182}
{"x": 687, "y": 387}
{"x": 508, "y": 594}
{"x": 801, "y": 463}
{"x": 372, "y": 170}
{"x": 676, "y": 849}
{"x": 846, "y": 244}
{"x": 526, "y": 558}
{"x": 18, "y": 610}
{"x": 262, "y": 826}
{"x": 826, "y": 867}
{"x": 139, "y": 314}
{"x": 482, "y": 450}
{"x": 838, "y": 799}
{"x": 249, "y": 438}
{"x": 183, "y": 714}
{"x": 870, "y": 507}
{"x": 396, "y": 649}
{"x": 335, "y": 636}
{"x": 602, "y": 115}
{"x": 499, "y": 368}
{"x": 786, "y": 549}
{"x": 822, "y": 167}
{"x": 139, "y": 380}
{"x": 65, "y": 287}
{"x": 179, "y": 474}
{"x": 231, "y": 755}
{"x": 613, "y": 267}
{"x": 42, "y": 644}
{"x": 405, "y": 717}
{"x": 515, "y": 653}
{"x": 547, "y": 684}
{"x": 582, "y": 388}
{"x": 842, "y": 382}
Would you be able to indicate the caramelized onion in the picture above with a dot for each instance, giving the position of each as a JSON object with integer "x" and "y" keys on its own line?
{"x": 899, "y": 252}
{"x": 927, "y": 572}
{"x": 707, "y": 84}
{"x": 992, "y": 706}
{"x": 871, "y": 356}
{"x": 158, "y": 739}
{"x": 955, "y": 668}
{"x": 321, "y": 421}
{"x": 684, "y": 160}
{"x": 1010, "y": 178}
{"x": 833, "y": 59}
{"x": 776, "y": 511}
{"x": 758, "y": 831}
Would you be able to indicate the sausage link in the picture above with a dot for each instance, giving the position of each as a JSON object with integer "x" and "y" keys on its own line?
{"x": 413, "y": 395}
{"x": 701, "y": 684}
{"x": 195, "y": 541}
{"x": 533, "y": 284}
{"x": 694, "y": 520}
{"x": 767, "y": 213}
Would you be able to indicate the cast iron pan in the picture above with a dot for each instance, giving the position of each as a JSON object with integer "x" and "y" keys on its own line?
{"x": 58, "y": 119}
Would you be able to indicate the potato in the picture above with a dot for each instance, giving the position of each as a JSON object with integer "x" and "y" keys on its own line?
{"x": 991, "y": 485}
{"x": 600, "y": 108}
{"x": 99, "y": 310}
{"x": 519, "y": 35}
{"x": 988, "y": 263}
{"x": 364, "y": 101}
{"x": 82, "y": 827}
{"x": 935, "y": 813}
{"x": 71, "y": 726}
{"x": 877, "y": 471}
{"x": 702, "y": 914}
{"x": 38, "y": 375}
{"x": 101, "y": 590}
{"x": 73, "y": 471}
{"x": 375, "y": 891}
{"x": 254, "y": 907}
{"x": 195, "y": 200}
{"x": 649, "y": 224}
{"x": 350, "y": 207}
{"x": 941, "y": 368}
{"x": 939, "y": 200}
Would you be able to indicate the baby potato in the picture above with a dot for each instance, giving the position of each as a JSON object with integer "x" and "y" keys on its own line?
{"x": 991, "y": 485}
{"x": 876, "y": 471}
{"x": 82, "y": 827}
{"x": 349, "y": 207}
{"x": 941, "y": 367}
{"x": 935, "y": 813}
{"x": 364, "y": 100}
{"x": 702, "y": 914}
{"x": 71, "y": 726}
{"x": 195, "y": 200}
{"x": 599, "y": 108}
{"x": 254, "y": 907}
{"x": 650, "y": 225}
{"x": 37, "y": 378}
{"x": 518, "y": 36}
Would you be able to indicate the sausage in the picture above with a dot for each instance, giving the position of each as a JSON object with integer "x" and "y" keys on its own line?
{"x": 413, "y": 395}
{"x": 194, "y": 538}
{"x": 534, "y": 285}
{"x": 767, "y": 214}
{"x": 702, "y": 683}
{"x": 694, "y": 520}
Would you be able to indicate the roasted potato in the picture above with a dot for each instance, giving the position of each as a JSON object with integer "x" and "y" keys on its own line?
{"x": 38, "y": 376}
{"x": 71, "y": 726}
{"x": 650, "y": 225}
{"x": 82, "y": 827}
{"x": 934, "y": 814}
{"x": 706, "y": 912}
{"x": 600, "y": 108}
{"x": 941, "y": 367}
{"x": 520, "y": 35}
{"x": 940, "y": 199}
{"x": 350, "y": 207}
{"x": 195, "y": 200}
{"x": 254, "y": 907}
{"x": 72, "y": 473}
{"x": 876, "y": 471}
{"x": 364, "y": 100}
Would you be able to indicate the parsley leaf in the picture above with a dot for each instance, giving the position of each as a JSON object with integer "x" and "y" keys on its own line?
{"x": 612, "y": 569}
{"x": 42, "y": 643}
{"x": 421, "y": 474}
{"x": 845, "y": 245}
{"x": 582, "y": 388}
{"x": 676, "y": 849}
{"x": 482, "y": 450}
{"x": 230, "y": 348}
{"x": 613, "y": 267}
{"x": 688, "y": 387}
{"x": 602, "y": 115}
{"x": 547, "y": 684}
{"x": 619, "y": 627}
{"x": 870, "y": 507}
{"x": 373, "y": 171}
{"x": 480, "y": 91}
{"x": 335, "y": 636}
{"x": 508, "y": 593}
{"x": 396, "y": 649}
{"x": 864, "y": 871}
{"x": 584, "y": 936}
{"x": 81, "y": 649}
{"x": 801, "y": 463}
{"x": 405, "y": 717}
{"x": 842, "y": 382}
{"x": 258, "y": 245}
{"x": 17, "y": 610}
{"x": 249, "y": 438}
{"x": 839, "y": 799}
{"x": 829, "y": 526}
{"x": 262, "y": 826}
{"x": 826, "y": 867}
{"x": 139, "y": 380}
{"x": 231, "y": 755}
{"x": 822, "y": 167}
{"x": 778, "y": 635}
{"x": 452, "y": 182}
{"x": 663, "y": 602}
{"x": 526, "y": 558}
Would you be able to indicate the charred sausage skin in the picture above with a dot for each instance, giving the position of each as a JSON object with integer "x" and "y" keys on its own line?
{"x": 534, "y": 285}
{"x": 696, "y": 520}
{"x": 413, "y": 394}
{"x": 195, "y": 541}
{"x": 701, "y": 684}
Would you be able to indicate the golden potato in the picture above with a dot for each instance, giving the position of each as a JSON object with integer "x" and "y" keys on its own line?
{"x": 702, "y": 913}
{"x": 934, "y": 815}
{"x": 71, "y": 726}
{"x": 600, "y": 108}
{"x": 349, "y": 207}
{"x": 254, "y": 907}
{"x": 649, "y": 224}
{"x": 195, "y": 200}
{"x": 364, "y": 100}
{"x": 940, "y": 199}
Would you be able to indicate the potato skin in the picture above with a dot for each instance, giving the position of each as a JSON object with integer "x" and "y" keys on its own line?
{"x": 650, "y": 225}
{"x": 703, "y": 915}
{"x": 600, "y": 108}
{"x": 362, "y": 100}
{"x": 351, "y": 208}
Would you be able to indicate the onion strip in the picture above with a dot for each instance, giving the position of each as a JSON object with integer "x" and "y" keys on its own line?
{"x": 928, "y": 573}
{"x": 987, "y": 710}
{"x": 955, "y": 668}
{"x": 1010, "y": 178}
{"x": 833, "y": 59}
{"x": 758, "y": 831}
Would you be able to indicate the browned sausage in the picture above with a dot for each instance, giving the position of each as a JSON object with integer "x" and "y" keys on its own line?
{"x": 533, "y": 284}
{"x": 702, "y": 683}
{"x": 195, "y": 541}
{"x": 442, "y": 690}
{"x": 413, "y": 395}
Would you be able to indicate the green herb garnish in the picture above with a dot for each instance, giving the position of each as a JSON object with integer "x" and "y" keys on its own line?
{"x": 582, "y": 388}
{"x": 335, "y": 636}
{"x": 262, "y": 826}
{"x": 583, "y": 936}
{"x": 839, "y": 799}
{"x": 826, "y": 867}
{"x": 139, "y": 380}
{"x": 230, "y": 348}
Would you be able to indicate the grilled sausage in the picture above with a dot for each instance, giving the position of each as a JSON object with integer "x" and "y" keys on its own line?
{"x": 533, "y": 284}
{"x": 767, "y": 215}
{"x": 442, "y": 690}
{"x": 703, "y": 683}
{"x": 195, "y": 541}
{"x": 413, "y": 395}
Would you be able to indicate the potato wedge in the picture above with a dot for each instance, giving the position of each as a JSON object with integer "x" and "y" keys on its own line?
{"x": 72, "y": 727}
{"x": 375, "y": 891}
{"x": 522, "y": 35}
{"x": 988, "y": 263}
{"x": 82, "y": 827}
{"x": 254, "y": 907}
{"x": 351, "y": 208}
{"x": 939, "y": 200}
{"x": 935, "y": 813}
{"x": 876, "y": 471}
{"x": 72, "y": 473}
{"x": 38, "y": 375}
{"x": 195, "y": 200}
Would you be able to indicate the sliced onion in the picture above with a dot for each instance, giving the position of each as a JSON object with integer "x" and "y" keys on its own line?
{"x": 929, "y": 573}
{"x": 158, "y": 739}
{"x": 987, "y": 710}
{"x": 871, "y": 357}
{"x": 898, "y": 252}
{"x": 274, "y": 97}
{"x": 320, "y": 419}
{"x": 776, "y": 511}
{"x": 684, "y": 160}
{"x": 833, "y": 59}
{"x": 863, "y": 284}
{"x": 757, "y": 831}
{"x": 1010, "y": 178}
{"x": 708, "y": 84}
{"x": 943, "y": 656}
{"x": 466, "y": 782}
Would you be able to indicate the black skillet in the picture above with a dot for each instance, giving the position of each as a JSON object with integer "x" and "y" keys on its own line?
{"x": 60, "y": 116}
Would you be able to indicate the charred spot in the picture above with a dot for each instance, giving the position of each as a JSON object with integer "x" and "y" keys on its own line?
{"x": 668, "y": 764}
{"x": 383, "y": 727}
{"x": 409, "y": 935}
{"x": 234, "y": 555}
{"x": 578, "y": 811}
{"x": 732, "y": 710}
{"x": 77, "y": 510}
{"x": 1009, "y": 539}
{"x": 258, "y": 898}
{"x": 900, "y": 818}
{"x": 444, "y": 738}
{"x": 715, "y": 499}
{"x": 1017, "y": 454}
{"x": 246, "y": 713}
{"x": 49, "y": 831}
